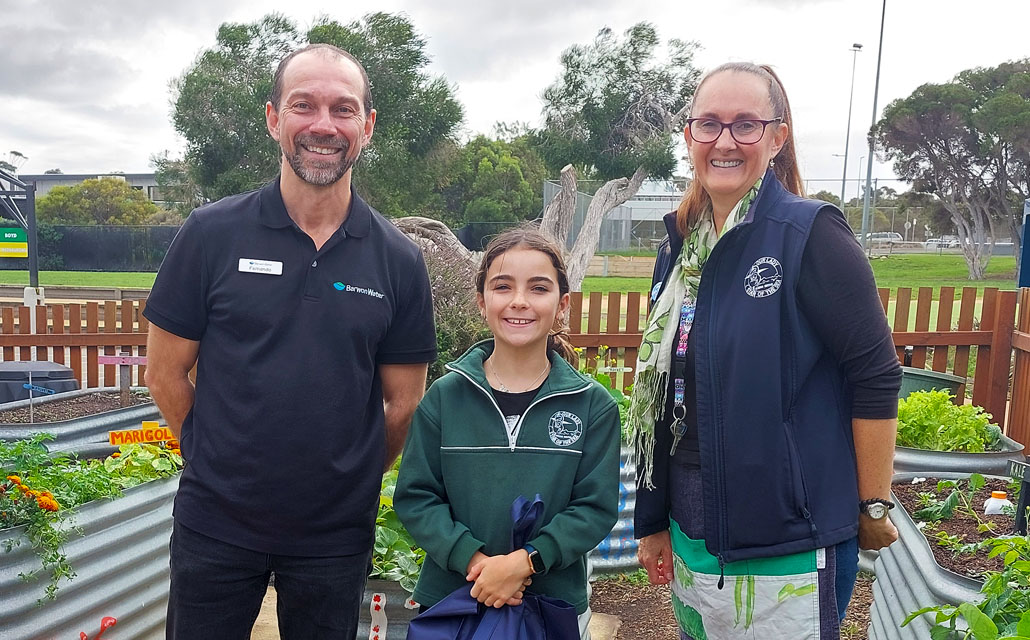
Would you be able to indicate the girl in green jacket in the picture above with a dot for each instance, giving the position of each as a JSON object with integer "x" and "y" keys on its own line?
{"x": 512, "y": 417}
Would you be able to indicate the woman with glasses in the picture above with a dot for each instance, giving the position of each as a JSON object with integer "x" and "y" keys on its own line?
{"x": 765, "y": 404}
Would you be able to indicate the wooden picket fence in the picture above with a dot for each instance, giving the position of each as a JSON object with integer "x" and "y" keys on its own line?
{"x": 973, "y": 336}
{"x": 976, "y": 342}
{"x": 75, "y": 334}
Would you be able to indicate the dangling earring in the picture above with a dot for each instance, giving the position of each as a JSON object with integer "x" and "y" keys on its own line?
{"x": 772, "y": 163}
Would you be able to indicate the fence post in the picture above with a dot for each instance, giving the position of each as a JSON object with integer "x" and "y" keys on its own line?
{"x": 1001, "y": 355}
{"x": 1018, "y": 427}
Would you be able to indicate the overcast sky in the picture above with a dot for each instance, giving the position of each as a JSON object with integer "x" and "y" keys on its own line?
{"x": 84, "y": 85}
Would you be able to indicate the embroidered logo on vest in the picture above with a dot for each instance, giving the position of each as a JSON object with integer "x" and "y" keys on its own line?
{"x": 564, "y": 428}
{"x": 764, "y": 278}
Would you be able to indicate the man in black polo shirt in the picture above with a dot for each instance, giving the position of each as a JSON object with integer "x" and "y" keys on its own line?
{"x": 309, "y": 318}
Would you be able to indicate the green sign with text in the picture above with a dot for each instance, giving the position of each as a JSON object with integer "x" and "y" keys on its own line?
{"x": 13, "y": 234}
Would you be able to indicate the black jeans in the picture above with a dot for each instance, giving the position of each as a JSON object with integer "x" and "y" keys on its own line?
{"x": 217, "y": 589}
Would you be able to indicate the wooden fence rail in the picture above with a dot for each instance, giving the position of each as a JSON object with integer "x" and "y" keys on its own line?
{"x": 973, "y": 336}
{"x": 75, "y": 334}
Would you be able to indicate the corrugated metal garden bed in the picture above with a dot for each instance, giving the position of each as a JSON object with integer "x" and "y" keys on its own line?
{"x": 908, "y": 578}
{"x": 85, "y": 437}
{"x": 119, "y": 552}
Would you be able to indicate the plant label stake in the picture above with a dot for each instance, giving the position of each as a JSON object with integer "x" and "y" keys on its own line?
{"x": 1021, "y": 471}
{"x": 125, "y": 361}
{"x": 32, "y": 387}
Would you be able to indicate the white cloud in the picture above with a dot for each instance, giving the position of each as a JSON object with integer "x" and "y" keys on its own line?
{"x": 84, "y": 86}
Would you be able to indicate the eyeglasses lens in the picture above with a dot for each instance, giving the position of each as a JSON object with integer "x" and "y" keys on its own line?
{"x": 743, "y": 131}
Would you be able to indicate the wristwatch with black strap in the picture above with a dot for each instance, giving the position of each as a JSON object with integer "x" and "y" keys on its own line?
{"x": 535, "y": 561}
{"x": 875, "y": 508}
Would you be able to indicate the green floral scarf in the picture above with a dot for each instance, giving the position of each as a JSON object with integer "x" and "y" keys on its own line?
{"x": 654, "y": 359}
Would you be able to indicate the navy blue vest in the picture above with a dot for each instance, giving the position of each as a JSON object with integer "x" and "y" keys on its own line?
{"x": 773, "y": 407}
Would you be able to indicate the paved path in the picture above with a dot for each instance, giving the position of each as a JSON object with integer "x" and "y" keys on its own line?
{"x": 602, "y": 626}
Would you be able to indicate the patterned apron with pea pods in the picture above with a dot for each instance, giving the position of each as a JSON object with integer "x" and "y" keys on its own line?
{"x": 761, "y": 598}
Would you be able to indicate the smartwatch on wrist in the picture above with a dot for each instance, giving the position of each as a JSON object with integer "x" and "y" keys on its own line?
{"x": 535, "y": 561}
{"x": 875, "y": 508}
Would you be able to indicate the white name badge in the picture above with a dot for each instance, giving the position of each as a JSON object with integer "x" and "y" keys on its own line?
{"x": 268, "y": 267}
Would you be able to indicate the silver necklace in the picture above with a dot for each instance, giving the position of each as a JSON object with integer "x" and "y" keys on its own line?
{"x": 504, "y": 388}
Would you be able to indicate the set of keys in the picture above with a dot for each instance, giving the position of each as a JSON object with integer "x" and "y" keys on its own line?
{"x": 679, "y": 415}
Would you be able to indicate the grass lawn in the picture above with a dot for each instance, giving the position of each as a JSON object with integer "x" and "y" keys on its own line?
{"x": 131, "y": 280}
{"x": 931, "y": 270}
{"x": 911, "y": 270}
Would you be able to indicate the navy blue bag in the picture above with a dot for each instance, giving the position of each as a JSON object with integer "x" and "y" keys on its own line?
{"x": 460, "y": 617}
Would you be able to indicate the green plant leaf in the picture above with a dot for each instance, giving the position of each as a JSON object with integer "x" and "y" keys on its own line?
{"x": 983, "y": 628}
{"x": 941, "y": 633}
{"x": 1023, "y": 628}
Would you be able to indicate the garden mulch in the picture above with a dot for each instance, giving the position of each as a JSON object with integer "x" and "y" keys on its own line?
{"x": 962, "y": 525}
{"x": 77, "y": 407}
{"x": 646, "y": 611}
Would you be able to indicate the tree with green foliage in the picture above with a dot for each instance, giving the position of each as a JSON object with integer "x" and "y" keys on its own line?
{"x": 417, "y": 114}
{"x": 494, "y": 181}
{"x": 176, "y": 184}
{"x": 968, "y": 143}
{"x": 96, "y": 201}
{"x": 613, "y": 113}
{"x": 218, "y": 106}
{"x": 826, "y": 196}
{"x": 615, "y": 106}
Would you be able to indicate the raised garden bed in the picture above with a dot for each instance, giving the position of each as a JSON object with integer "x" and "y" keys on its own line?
{"x": 83, "y": 554}
{"x": 908, "y": 574}
{"x": 618, "y": 552}
{"x": 908, "y": 459}
{"x": 78, "y": 420}
{"x": 935, "y": 434}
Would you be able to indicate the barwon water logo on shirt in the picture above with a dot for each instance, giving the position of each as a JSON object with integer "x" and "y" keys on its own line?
{"x": 564, "y": 428}
{"x": 764, "y": 278}
{"x": 349, "y": 288}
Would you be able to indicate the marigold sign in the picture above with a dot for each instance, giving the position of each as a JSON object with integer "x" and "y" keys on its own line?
{"x": 150, "y": 432}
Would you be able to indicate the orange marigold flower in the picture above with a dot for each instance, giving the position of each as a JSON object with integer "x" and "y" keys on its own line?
{"x": 47, "y": 504}
{"x": 14, "y": 479}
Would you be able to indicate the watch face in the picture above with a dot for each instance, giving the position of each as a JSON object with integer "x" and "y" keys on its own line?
{"x": 537, "y": 561}
{"x": 876, "y": 511}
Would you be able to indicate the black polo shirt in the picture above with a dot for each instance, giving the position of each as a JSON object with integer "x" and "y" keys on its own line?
{"x": 285, "y": 443}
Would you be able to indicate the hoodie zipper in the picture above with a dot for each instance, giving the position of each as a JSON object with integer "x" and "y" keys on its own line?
{"x": 513, "y": 435}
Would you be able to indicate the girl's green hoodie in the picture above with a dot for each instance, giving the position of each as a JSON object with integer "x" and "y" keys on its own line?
{"x": 462, "y": 469}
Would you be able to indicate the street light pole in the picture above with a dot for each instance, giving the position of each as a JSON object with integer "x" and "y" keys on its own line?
{"x": 847, "y": 137}
{"x": 872, "y": 139}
